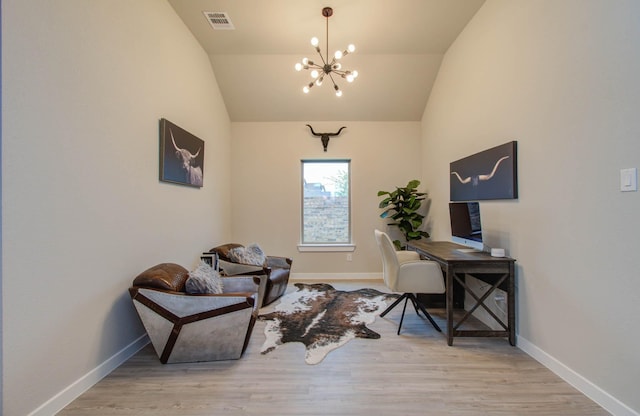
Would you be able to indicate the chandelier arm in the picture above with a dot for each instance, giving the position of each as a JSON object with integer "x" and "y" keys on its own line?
{"x": 312, "y": 66}
{"x": 332, "y": 80}
{"x": 322, "y": 58}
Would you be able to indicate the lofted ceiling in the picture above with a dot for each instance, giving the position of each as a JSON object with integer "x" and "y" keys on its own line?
{"x": 399, "y": 47}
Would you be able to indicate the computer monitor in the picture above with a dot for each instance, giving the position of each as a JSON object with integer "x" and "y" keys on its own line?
{"x": 466, "y": 227}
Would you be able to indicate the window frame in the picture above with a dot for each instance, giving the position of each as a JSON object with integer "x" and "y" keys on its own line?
{"x": 304, "y": 246}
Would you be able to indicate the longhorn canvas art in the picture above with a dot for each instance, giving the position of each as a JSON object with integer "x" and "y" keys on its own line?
{"x": 181, "y": 155}
{"x": 490, "y": 174}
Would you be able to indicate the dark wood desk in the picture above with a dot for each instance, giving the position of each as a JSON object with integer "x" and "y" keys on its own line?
{"x": 497, "y": 271}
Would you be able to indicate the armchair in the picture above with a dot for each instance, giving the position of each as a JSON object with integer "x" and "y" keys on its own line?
{"x": 276, "y": 269}
{"x": 194, "y": 327}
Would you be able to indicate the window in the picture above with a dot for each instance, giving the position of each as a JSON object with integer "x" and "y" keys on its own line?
{"x": 326, "y": 218}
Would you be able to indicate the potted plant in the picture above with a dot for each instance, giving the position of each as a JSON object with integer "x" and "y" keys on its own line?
{"x": 402, "y": 206}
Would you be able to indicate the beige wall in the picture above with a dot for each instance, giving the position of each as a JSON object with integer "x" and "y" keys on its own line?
{"x": 84, "y": 85}
{"x": 266, "y": 186}
{"x": 561, "y": 78}
{"x": 83, "y": 210}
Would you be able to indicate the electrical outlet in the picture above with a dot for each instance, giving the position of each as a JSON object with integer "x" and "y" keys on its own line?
{"x": 349, "y": 256}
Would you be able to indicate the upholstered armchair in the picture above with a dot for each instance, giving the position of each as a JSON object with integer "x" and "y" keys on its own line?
{"x": 276, "y": 269}
{"x": 187, "y": 327}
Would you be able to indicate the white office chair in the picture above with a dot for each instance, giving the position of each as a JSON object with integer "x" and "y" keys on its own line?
{"x": 404, "y": 272}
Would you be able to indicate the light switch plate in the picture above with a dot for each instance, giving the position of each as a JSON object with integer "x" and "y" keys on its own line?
{"x": 629, "y": 179}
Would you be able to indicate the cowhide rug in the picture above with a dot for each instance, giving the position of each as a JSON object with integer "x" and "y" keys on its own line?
{"x": 323, "y": 318}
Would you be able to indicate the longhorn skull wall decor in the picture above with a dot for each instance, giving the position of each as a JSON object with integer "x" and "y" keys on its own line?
{"x": 324, "y": 137}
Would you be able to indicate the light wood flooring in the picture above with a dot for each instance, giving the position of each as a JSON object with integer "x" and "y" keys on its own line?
{"x": 414, "y": 373}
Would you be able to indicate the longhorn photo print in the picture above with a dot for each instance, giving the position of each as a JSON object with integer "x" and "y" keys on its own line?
{"x": 181, "y": 155}
{"x": 490, "y": 174}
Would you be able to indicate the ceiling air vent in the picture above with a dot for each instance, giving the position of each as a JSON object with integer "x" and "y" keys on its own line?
{"x": 219, "y": 20}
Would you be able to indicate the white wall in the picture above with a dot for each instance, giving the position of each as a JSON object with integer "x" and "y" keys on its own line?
{"x": 266, "y": 186}
{"x": 561, "y": 78}
{"x": 84, "y": 84}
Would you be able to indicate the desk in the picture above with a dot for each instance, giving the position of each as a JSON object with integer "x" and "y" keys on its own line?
{"x": 455, "y": 264}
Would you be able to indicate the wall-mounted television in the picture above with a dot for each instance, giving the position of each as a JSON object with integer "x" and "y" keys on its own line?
{"x": 466, "y": 227}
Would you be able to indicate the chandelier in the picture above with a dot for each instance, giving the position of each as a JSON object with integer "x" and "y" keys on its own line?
{"x": 327, "y": 68}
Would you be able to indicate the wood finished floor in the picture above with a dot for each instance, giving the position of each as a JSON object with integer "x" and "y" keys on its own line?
{"x": 414, "y": 373}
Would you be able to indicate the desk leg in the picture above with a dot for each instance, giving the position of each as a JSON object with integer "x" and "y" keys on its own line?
{"x": 449, "y": 289}
{"x": 511, "y": 305}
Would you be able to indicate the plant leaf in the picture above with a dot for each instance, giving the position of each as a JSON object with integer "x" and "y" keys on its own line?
{"x": 413, "y": 184}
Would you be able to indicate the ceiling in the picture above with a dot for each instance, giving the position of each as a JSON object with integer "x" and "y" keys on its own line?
{"x": 399, "y": 47}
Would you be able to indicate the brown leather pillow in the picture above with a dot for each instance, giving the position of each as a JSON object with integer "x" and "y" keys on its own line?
{"x": 167, "y": 276}
{"x": 223, "y": 250}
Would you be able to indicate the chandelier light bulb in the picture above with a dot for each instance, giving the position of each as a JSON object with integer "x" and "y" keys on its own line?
{"x": 349, "y": 78}
{"x": 298, "y": 66}
{"x": 305, "y": 61}
{"x": 337, "y": 66}
{"x": 307, "y": 88}
{"x": 314, "y": 41}
{"x": 319, "y": 81}
{"x": 338, "y": 93}
{"x": 314, "y": 74}
{"x": 351, "y": 48}
{"x": 355, "y": 74}
{"x": 338, "y": 55}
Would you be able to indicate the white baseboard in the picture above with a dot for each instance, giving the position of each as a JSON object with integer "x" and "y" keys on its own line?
{"x": 595, "y": 393}
{"x": 323, "y": 277}
{"x": 586, "y": 387}
{"x": 73, "y": 391}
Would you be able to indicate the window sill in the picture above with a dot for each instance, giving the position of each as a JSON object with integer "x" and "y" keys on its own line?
{"x": 326, "y": 247}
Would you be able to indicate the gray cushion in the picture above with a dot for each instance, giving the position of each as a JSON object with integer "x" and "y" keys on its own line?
{"x": 251, "y": 254}
{"x": 204, "y": 279}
